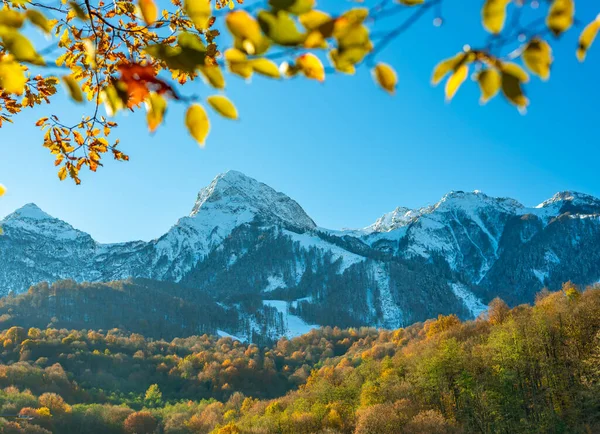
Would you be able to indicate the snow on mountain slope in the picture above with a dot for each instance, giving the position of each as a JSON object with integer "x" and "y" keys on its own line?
{"x": 456, "y": 254}
{"x": 31, "y": 220}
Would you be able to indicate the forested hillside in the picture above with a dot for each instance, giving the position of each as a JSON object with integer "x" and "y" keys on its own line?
{"x": 526, "y": 369}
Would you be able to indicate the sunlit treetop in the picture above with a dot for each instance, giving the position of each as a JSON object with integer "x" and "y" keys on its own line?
{"x": 147, "y": 54}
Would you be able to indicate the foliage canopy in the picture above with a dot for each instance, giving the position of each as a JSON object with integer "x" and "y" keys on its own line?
{"x": 129, "y": 54}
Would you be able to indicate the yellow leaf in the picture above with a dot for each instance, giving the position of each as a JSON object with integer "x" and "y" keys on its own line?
{"x": 39, "y": 20}
{"x": 78, "y": 11}
{"x": 149, "y": 11}
{"x": 199, "y": 12}
{"x": 280, "y": 28}
{"x": 238, "y": 63}
{"x": 265, "y": 67}
{"x": 12, "y": 77}
{"x": 455, "y": 80}
{"x": 493, "y": 15}
{"x": 73, "y": 88}
{"x": 511, "y": 88}
{"x": 386, "y": 77}
{"x": 62, "y": 173}
{"x": 223, "y": 106}
{"x": 214, "y": 76}
{"x": 197, "y": 123}
{"x": 538, "y": 58}
{"x": 586, "y": 39}
{"x": 20, "y": 47}
{"x": 314, "y": 19}
{"x": 515, "y": 70}
{"x": 11, "y": 18}
{"x": 156, "y": 106}
{"x": 561, "y": 15}
{"x": 2, "y": 190}
{"x": 445, "y": 66}
{"x": 246, "y": 30}
{"x": 311, "y": 66}
{"x": 489, "y": 82}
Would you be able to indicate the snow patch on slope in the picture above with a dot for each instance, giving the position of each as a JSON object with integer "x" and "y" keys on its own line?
{"x": 470, "y": 300}
{"x": 294, "y": 325}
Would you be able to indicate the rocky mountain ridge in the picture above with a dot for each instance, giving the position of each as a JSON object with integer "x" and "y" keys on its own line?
{"x": 256, "y": 250}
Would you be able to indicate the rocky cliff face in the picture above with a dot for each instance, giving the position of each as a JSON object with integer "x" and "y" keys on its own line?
{"x": 256, "y": 250}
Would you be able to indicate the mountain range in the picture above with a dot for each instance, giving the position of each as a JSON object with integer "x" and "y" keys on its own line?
{"x": 254, "y": 251}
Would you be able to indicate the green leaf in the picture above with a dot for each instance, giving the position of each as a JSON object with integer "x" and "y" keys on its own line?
{"x": 561, "y": 16}
{"x": 411, "y": 2}
{"x": 537, "y": 56}
{"x": 280, "y": 28}
{"x": 223, "y": 106}
{"x": 493, "y": 15}
{"x": 296, "y": 7}
{"x": 73, "y": 88}
{"x": 79, "y": 12}
{"x": 386, "y": 77}
{"x": 188, "y": 55}
{"x": 489, "y": 81}
{"x": 197, "y": 123}
{"x": 586, "y": 39}
{"x": 511, "y": 88}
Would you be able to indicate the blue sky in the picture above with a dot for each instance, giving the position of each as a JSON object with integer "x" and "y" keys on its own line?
{"x": 346, "y": 151}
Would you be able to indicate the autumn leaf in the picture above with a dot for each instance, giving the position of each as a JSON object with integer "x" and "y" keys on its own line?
{"x": 197, "y": 123}
{"x": 489, "y": 81}
{"x": 73, "y": 88}
{"x": 311, "y": 66}
{"x": 223, "y": 106}
{"x": 265, "y": 67}
{"x": 386, "y": 77}
{"x": 445, "y": 66}
{"x": 493, "y": 15}
{"x": 149, "y": 11}
{"x": 537, "y": 56}
{"x": 511, "y": 87}
{"x": 62, "y": 173}
{"x": 561, "y": 16}
{"x": 12, "y": 77}
{"x": 199, "y": 12}
{"x": 586, "y": 39}
{"x": 456, "y": 80}
{"x": 156, "y": 106}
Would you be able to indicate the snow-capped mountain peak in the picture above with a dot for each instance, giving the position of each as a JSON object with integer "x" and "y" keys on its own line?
{"x": 567, "y": 201}
{"x": 30, "y": 211}
{"x": 401, "y": 216}
{"x": 31, "y": 220}
{"x": 233, "y": 192}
